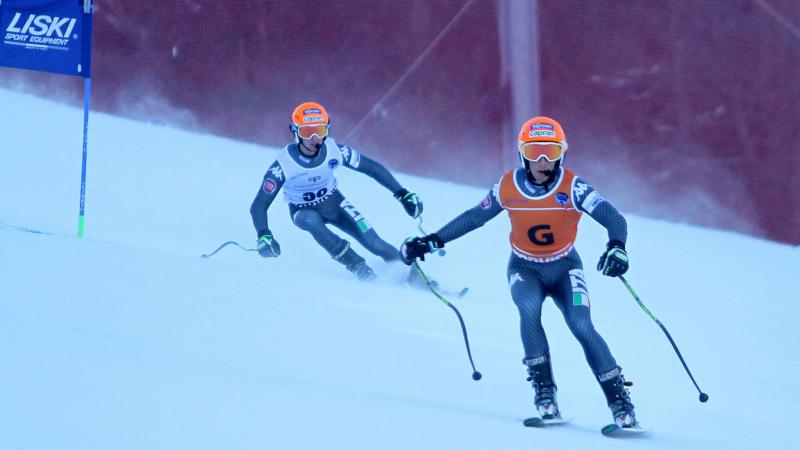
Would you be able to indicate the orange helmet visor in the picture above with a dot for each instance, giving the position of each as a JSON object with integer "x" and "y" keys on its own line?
{"x": 532, "y": 151}
{"x": 307, "y": 131}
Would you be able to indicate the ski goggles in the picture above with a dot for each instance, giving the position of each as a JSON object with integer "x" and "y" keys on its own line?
{"x": 532, "y": 151}
{"x": 308, "y": 131}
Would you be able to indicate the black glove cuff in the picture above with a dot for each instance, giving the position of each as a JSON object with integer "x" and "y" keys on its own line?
{"x": 615, "y": 243}
{"x": 263, "y": 233}
{"x": 433, "y": 237}
{"x": 400, "y": 193}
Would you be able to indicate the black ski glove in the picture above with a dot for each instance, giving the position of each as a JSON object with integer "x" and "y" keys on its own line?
{"x": 614, "y": 261}
{"x": 417, "y": 247}
{"x": 410, "y": 201}
{"x": 267, "y": 246}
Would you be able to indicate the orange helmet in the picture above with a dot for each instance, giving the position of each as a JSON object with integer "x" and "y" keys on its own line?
{"x": 541, "y": 137}
{"x": 309, "y": 119}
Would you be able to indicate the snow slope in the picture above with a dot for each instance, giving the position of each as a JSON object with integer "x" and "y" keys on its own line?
{"x": 127, "y": 339}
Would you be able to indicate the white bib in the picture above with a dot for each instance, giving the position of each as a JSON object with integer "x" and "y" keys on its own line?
{"x": 310, "y": 184}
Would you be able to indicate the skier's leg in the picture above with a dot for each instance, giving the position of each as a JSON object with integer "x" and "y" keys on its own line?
{"x": 571, "y": 295}
{"x": 615, "y": 388}
{"x": 527, "y": 291}
{"x": 311, "y": 220}
{"x": 349, "y": 220}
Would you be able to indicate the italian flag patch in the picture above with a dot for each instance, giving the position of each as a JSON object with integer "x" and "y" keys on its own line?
{"x": 580, "y": 299}
{"x": 580, "y": 295}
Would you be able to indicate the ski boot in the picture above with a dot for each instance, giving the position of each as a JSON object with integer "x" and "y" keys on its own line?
{"x": 540, "y": 374}
{"x": 355, "y": 264}
{"x": 615, "y": 389}
{"x": 362, "y": 271}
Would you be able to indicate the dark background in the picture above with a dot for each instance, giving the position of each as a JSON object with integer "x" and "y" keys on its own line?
{"x": 685, "y": 110}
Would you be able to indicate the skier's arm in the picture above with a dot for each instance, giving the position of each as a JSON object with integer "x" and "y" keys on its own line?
{"x": 472, "y": 218}
{"x": 591, "y": 202}
{"x": 614, "y": 261}
{"x": 608, "y": 216}
{"x": 273, "y": 181}
{"x": 465, "y": 222}
{"x": 369, "y": 167}
{"x": 412, "y": 204}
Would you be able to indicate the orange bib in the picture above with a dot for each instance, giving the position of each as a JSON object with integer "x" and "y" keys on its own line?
{"x": 543, "y": 228}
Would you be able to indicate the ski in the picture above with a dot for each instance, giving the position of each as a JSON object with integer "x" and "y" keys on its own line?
{"x": 432, "y": 284}
{"x": 538, "y": 422}
{"x": 459, "y": 294}
{"x": 614, "y": 430}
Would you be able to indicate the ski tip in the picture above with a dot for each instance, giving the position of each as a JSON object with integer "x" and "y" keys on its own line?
{"x": 538, "y": 422}
{"x": 614, "y": 430}
{"x": 463, "y": 292}
{"x": 609, "y": 429}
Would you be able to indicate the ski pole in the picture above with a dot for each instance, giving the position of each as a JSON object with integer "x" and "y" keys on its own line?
{"x": 441, "y": 251}
{"x": 475, "y": 374}
{"x": 247, "y": 249}
{"x": 703, "y": 395}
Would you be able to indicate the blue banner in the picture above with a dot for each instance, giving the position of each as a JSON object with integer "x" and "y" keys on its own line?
{"x": 47, "y": 35}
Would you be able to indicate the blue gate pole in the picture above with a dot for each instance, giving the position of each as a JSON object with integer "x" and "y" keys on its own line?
{"x": 87, "y": 87}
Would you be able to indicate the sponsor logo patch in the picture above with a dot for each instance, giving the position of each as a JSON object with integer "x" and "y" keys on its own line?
{"x": 333, "y": 163}
{"x": 277, "y": 172}
{"x": 609, "y": 375}
{"x": 312, "y": 119}
{"x": 486, "y": 202}
{"x": 355, "y": 160}
{"x": 311, "y": 111}
{"x": 515, "y": 277}
{"x": 41, "y": 31}
{"x": 540, "y": 126}
{"x": 591, "y": 201}
{"x": 536, "y": 361}
{"x": 580, "y": 189}
{"x": 562, "y": 198}
{"x": 269, "y": 186}
{"x": 542, "y": 133}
